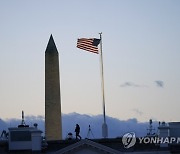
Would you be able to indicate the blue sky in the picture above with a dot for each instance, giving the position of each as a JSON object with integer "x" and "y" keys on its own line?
{"x": 140, "y": 46}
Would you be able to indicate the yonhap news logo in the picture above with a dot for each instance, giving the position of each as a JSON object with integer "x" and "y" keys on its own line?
{"x": 129, "y": 140}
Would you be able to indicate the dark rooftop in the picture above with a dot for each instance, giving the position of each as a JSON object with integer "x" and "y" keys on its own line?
{"x": 114, "y": 143}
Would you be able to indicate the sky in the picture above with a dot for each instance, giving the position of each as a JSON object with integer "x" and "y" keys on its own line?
{"x": 140, "y": 52}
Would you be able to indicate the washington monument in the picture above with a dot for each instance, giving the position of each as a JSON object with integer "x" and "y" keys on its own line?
{"x": 53, "y": 125}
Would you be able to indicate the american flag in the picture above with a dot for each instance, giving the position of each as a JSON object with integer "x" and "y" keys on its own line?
{"x": 88, "y": 44}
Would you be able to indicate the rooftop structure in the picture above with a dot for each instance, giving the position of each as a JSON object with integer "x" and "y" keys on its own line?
{"x": 25, "y": 138}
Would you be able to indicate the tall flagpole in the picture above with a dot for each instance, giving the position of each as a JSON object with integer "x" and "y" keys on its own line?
{"x": 104, "y": 125}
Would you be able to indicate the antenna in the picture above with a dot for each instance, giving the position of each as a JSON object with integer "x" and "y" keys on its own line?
{"x": 23, "y": 122}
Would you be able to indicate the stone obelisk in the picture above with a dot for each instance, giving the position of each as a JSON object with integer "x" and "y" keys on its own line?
{"x": 53, "y": 124}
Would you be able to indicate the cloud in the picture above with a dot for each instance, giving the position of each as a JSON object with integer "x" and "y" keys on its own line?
{"x": 159, "y": 83}
{"x": 116, "y": 127}
{"x": 137, "y": 111}
{"x": 131, "y": 84}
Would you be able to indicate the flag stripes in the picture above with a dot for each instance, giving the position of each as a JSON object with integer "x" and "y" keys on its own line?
{"x": 88, "y": 44}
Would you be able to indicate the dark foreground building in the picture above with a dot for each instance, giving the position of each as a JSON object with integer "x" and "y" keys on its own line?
{"x": 96, "y": 146}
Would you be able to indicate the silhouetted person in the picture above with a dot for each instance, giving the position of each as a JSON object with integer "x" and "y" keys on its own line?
{"x": 77, "y": 130}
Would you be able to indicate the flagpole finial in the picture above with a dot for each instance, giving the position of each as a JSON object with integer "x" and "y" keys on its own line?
{"x": 100, "y": 34}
